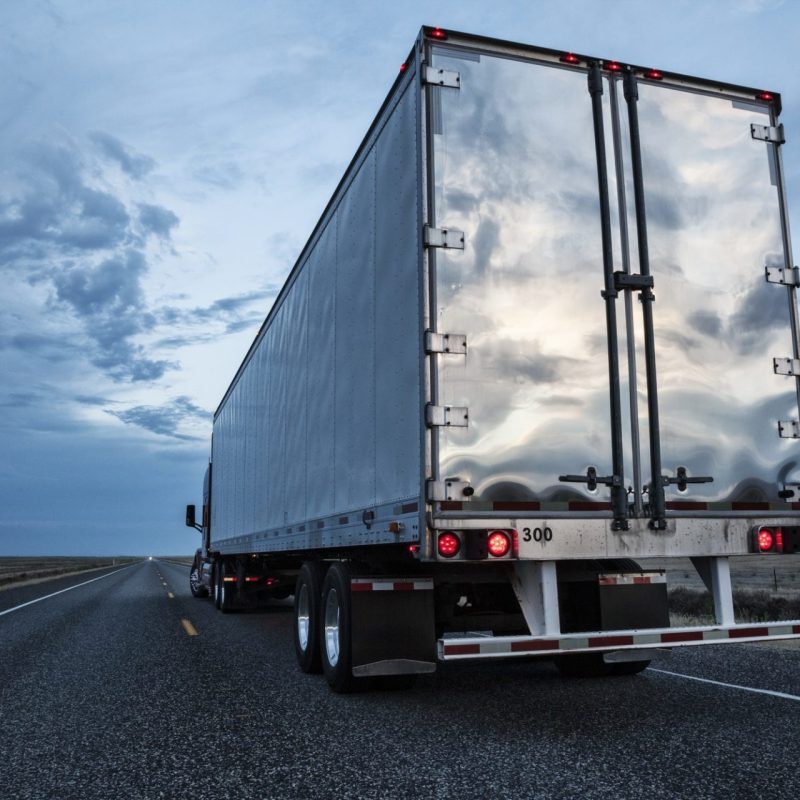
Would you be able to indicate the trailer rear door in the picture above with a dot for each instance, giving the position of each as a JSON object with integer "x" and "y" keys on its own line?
{"x": 514, "y": 165}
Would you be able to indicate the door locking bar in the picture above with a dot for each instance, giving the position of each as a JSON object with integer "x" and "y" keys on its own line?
{"x": 619, "y": 496}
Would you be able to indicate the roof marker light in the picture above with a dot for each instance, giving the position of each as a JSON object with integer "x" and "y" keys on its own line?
{"x": 569, "y": 58}
{"x": 613, "y": 66}
{"x": 438, "y": 33}
{"x": 767, "y": 97}
{"x": 654, "y": 75}
{"x": 403, "y": 67}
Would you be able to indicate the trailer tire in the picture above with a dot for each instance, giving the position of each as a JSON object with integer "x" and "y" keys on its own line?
{"x": 335, "y": 632}
{"x": 307, "y": 598}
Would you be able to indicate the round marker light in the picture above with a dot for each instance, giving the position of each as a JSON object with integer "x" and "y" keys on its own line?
{"x": 498, "y": 543}
{"x": 654, "y": 75}
{"x": 612, "y": 66}
{"x": 569, "y": 58}
{"x": 765, "y": 539}
{"x": 448, "y": 544}
{"x": 767, "y": 97}
{"x": 438, "y": 33}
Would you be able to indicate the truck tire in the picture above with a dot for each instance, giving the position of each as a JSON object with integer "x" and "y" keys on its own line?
{"x": 225, "y": 599}
{"x": 592, "y": 665}
{"x": 335, "y": 633}
{"x": 307, "y": 595}
{"x": 195, "y": 587}
{"x": 216, "y": 582}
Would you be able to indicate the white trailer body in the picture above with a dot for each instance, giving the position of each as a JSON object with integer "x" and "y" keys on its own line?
{"x": 552, "y": 298}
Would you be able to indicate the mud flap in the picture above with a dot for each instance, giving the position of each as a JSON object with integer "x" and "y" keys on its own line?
{"x": 631, "y": 601}
{"x": 392, "y": 624}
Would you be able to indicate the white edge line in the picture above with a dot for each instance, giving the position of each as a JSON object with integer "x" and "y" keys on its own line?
{"x": 726, "y": 685}
{"x": 61, "y": 591}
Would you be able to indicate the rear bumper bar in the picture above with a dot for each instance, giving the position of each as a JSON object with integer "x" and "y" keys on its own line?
{"x": 477, "y": 647}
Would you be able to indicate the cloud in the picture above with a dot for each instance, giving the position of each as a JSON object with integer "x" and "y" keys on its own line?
{"x": 157, "y": 220}
{"x": 132, "y": 163}
{"x": 109, "y": 300}
{"x": 707, "y": 322}
{"x": 57, "y": 208}
{"x": 163, "y": 420}
{"x": 762, "y": 307}
{"x": 226, "y": 309}
{"x": 62, "y": 225}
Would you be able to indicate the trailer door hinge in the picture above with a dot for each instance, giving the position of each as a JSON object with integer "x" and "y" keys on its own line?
{"x": 448, "y": 489}
{"x": 785, "y": 276}
{"x": 444, "y": 237}
{"x": 442, "y": 77}
{"x": 790, "y": 492}
{"x": 768, "y": 133}
{"x": 446, "y": 416}
{"x": 786, "y": 366}
{"x": 452, "y": 343}
{"x": 789, "y": 429}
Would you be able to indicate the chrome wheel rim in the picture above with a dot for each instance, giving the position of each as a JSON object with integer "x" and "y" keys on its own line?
{"x": 193, "y": 580}
{"x": 303, "y": 617}
{"x": 332, "y": 627}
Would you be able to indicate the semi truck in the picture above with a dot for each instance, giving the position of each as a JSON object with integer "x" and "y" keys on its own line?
{"x": 545, "y": 327}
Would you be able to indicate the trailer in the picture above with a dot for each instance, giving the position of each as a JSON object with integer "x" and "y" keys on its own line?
{"x": 545, "y": 327}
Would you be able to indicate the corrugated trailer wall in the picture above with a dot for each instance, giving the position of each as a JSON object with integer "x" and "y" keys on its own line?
{"x": 324, "y": 416}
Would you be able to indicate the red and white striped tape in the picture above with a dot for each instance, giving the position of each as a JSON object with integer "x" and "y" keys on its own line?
{"x": 389, "y": 585}
{"x": 618, "y": 640}
{"x": 630, "y": 579}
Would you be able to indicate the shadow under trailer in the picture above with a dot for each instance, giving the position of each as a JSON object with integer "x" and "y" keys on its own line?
{"x": 546, "y": 326}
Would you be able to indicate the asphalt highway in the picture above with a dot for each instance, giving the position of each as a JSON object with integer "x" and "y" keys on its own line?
{"x": 128, "y": 687}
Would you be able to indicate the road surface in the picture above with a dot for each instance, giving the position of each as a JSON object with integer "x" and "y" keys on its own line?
{"x": 127, "y": 687}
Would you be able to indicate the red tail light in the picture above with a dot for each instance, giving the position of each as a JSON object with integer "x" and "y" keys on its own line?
{"x": 779, "y": 540}
{"x": 252, "y": 579}
{"x": 498, "y": 543}
{"x": 448, "y": 544}
{"x": 765, "y": 539}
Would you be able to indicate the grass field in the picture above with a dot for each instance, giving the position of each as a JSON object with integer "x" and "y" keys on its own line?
{"x": 14, "y": 569}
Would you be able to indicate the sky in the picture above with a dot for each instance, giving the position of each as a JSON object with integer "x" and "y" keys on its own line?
{"x": 161, "y": 166}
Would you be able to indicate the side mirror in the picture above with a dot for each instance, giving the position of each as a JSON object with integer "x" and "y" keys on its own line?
{"x": 190, "y": 522}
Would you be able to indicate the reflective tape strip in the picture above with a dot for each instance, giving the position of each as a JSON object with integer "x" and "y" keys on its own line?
{"x": 632, "y": 580}
{"x": 370, "y": 585}
{"x": 616, "y": 640}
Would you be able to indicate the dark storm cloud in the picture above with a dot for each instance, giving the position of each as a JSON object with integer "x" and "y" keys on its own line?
{"x": 157, "y": 220}
{"x": 163, "y": 420}
{"x": 134, "y": 164}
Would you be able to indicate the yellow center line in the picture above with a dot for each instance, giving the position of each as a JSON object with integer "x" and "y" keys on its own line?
{"x": 188, "y": 627}
{"x": 170, "y": 595}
